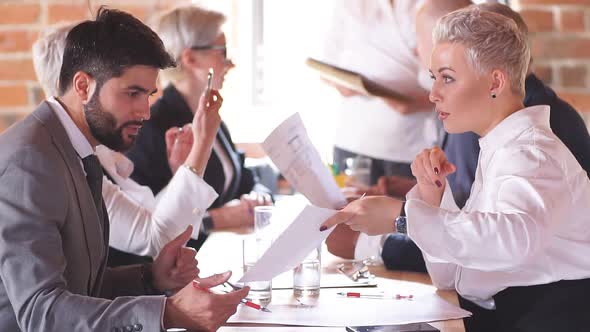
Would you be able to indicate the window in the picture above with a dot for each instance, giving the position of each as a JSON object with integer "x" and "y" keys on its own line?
{"x": 269, "y": 42}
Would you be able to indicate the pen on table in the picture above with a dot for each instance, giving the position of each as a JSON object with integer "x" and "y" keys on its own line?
{"x": 376, "y": 296}
{"x": 245, "y": 302}
{"x": 363, "y": 195}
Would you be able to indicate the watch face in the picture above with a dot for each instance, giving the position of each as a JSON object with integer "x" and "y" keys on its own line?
{"x": 401, "y": 225}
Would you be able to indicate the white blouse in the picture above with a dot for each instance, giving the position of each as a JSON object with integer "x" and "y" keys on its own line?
{"x": 527, "y": 221}
{"x": 142, "y": 224}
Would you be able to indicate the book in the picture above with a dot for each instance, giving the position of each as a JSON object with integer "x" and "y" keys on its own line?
{"x": 354, "y": 81}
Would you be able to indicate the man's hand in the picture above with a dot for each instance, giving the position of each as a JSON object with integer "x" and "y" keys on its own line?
{"x": 195, "y": 308}
{"x": 373, "y": 215}
{"x": 342, "y": 241}
{"x": 176, "y": 265}
{"x": 431, "y": 168}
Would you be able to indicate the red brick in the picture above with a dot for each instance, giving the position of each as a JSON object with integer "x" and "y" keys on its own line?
{"x": 17, "y": 41}
{"x": 561, "y": 48}
{"x": 17, "y": 13}
{"x": 572, "y": 21}
{"x": 68, "y": 13}
{"x": 573, "y": 76}
{"x": 538, "y": 20}
{"x": 581, "y": 101}
{"x": 544, "y": 72}
{"x": 17, "y": 70}
{"x": 16, "y": 95}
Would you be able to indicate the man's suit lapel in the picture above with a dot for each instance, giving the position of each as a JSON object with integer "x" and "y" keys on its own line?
{"x": 94, "y": 231}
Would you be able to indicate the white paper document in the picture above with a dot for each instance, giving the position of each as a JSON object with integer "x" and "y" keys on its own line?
{"x": 291, "y": 150}
{"x": 292, "y": 246}
{"x": 332, "y": 310}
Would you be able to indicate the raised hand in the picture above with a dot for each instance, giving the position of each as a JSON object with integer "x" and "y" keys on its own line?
{"x": 431, "y": 167}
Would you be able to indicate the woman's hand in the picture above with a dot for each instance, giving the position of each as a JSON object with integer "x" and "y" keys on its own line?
{"x": 431, "y": 168}
{"x": 179, "y": 142}
{"x": 371, "y": 215}
{"x": 204, "y": 129}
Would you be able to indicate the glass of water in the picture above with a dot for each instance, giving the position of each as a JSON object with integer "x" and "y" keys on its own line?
{"x": 252, "y": 250}
{"x": 306, "y": 275}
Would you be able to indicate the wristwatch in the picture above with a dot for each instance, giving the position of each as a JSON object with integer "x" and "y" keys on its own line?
{"x": 401, "y": 221}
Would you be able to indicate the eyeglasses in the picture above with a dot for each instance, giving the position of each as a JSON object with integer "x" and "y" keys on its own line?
{"x": 222, "y": 48}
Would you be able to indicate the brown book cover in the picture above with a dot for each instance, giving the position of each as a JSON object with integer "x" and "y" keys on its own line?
{"x": 354, "y": 81}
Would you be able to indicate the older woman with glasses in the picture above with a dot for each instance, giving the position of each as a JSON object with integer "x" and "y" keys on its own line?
{"x": 518, "y": 249}
{"x": 194, "y": 37}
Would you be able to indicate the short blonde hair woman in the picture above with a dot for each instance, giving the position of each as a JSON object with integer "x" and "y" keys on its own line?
{"x": 519, "y": 247}
{"x": 188, "y": 29}
{"x": 193, "y": 36}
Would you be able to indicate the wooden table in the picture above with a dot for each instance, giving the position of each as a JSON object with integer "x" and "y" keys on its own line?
{"x": 222, "y": 250}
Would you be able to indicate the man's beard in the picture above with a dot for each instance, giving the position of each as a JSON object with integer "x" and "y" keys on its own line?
{"x": 103, "y": 126}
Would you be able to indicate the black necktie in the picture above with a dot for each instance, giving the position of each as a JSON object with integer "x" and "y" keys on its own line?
{"x": 94, "y": 177}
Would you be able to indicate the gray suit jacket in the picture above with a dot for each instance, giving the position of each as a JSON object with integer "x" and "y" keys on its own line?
{"x": 53, "y": 247}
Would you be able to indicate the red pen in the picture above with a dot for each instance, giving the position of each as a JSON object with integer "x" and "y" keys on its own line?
{"x": 246, "y": 302}
{"x": 376, "y": 296}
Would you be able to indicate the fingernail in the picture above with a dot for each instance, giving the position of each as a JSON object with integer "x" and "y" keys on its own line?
{"x": 438, "y": 184}
{"x": 323, "y": 228}
{"x": 436, "y": 170}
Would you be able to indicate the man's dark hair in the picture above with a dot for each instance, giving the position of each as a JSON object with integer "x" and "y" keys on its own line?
{"x": 105, "y": 47}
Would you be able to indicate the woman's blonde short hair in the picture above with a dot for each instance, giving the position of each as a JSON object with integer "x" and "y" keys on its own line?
{"x": 48, "y": 53}
{"x": 492, "y": 41}
{"x": 185, "y": 27}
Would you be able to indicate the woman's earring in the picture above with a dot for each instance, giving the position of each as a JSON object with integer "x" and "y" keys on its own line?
{"x": 493, "y": 95}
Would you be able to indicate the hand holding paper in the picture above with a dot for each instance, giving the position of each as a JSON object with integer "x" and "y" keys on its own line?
{"x": 292, "y": 246}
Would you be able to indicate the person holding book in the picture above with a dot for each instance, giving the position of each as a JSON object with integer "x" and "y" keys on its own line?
{"x": 516, "y": 250}
{"x": 376, "y": 39}
{"x": 397, "y": 251}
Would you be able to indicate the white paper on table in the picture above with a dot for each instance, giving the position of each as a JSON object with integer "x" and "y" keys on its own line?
{"x": 292, "y": 246}
{"x": 332, "y": 310}
{"x": 291, "y": 150}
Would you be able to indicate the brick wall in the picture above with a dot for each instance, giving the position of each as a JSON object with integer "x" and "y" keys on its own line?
{"x": 20, "y": 23}
{"x": 560, "y": 32}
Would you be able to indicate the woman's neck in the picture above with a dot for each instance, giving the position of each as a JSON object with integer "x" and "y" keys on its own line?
{"x": 503, "y": 108}
{"x": 191, "y": 90}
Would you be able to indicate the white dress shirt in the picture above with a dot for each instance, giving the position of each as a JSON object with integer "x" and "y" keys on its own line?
{"x": 139, "y": 223}
{"x": 526, "y": 221}
{"x": 142, "y": 224}
{"x": 377, "y": 39}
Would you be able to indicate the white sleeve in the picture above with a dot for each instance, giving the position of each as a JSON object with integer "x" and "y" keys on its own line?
{"x": 368, "y": 246}
{"x": 526, "y": 208}
{"x": 137, "y": 229}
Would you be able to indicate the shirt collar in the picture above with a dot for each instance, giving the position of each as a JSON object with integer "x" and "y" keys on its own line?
{"x": 116, "y": 163}
{"x": 514, "y": 125}
{"x": 79, "y": 141}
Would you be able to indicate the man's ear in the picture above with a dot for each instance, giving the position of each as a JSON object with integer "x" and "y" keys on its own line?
{"x": 84, "y": 86}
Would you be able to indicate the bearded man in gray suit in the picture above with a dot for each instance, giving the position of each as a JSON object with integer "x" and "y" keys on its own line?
{"x": 53, "y": 223}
